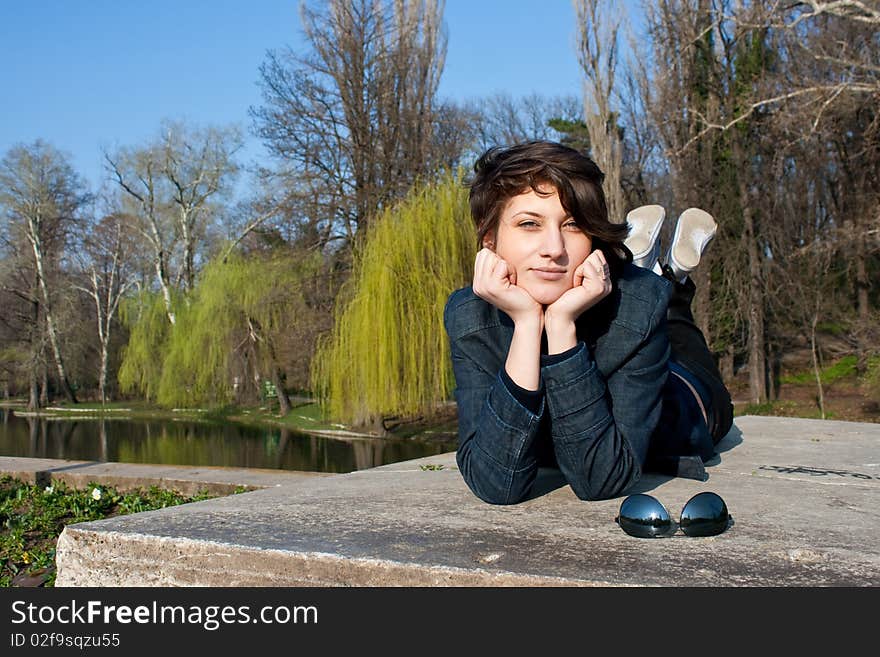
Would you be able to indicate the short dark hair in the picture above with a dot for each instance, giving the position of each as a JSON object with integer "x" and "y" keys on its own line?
{"x": 502, "y": 173}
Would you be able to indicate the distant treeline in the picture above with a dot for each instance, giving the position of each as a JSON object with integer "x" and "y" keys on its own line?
{"x": 329, "y": 277}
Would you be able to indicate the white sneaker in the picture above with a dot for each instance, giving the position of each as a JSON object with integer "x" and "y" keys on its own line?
{"x": 644, "y": 233}
{"x": 693, "y": 232}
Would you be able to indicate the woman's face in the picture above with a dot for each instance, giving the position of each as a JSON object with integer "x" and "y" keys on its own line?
{"x": 541, "y": 242}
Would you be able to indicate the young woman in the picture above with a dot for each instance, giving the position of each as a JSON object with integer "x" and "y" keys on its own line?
{"x": 565, "y": 353}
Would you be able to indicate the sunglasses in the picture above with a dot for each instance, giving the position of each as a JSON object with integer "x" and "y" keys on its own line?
{"x": 643, "y": 516}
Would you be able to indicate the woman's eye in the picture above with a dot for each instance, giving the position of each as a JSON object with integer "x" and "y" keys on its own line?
{"x": 572, "y": 226}
{"x": 528, "y": 223}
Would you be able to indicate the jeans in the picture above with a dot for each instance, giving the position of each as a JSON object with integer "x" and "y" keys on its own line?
{"x": 690, "y": 351}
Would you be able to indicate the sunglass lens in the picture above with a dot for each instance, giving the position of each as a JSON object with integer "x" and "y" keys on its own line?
{"x": 643, "y": 516}
{"x": 705, "y": 514}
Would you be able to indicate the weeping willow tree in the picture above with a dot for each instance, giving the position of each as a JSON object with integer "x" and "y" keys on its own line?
{"x": 224, "y": 340}
{"x": 146, "y": 318}
{"x": 388, "y": 354}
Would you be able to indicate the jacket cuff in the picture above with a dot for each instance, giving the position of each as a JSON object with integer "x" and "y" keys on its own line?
{"x": 573, "y": 384}
{"x": 531, "y": 399}
{"x": 508, "y": 410}
{"x": 553, "y": 359}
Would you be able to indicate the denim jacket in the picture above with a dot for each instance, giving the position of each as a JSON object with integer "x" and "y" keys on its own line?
{"x": 601, "y": 406}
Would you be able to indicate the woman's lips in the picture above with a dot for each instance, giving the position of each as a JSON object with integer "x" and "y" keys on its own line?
{"x": 549, "y": 274}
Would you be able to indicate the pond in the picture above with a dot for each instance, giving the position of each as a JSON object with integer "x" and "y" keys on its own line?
{"x": 171, "y": 442}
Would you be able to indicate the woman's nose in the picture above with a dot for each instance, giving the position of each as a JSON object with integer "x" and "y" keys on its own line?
{"x": 552, "y": 244}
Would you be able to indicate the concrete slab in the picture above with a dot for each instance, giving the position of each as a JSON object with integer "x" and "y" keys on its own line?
{"x": 804, "y": 494}
{"x": 187, "y": 480}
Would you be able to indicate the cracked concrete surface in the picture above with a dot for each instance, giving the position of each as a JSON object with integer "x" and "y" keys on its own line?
{"x": 804, "y": 496}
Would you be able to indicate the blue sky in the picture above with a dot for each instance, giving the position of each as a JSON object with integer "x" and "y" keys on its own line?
{"x": 86, "y": 73}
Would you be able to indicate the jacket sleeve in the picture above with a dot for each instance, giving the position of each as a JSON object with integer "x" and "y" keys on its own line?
{"x": 601, "y": 429}
{"x": 496, "y": 433}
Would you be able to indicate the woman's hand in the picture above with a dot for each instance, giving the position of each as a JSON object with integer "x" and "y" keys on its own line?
{"x": 592, "y": 283}
{"x": 495, "y": 282}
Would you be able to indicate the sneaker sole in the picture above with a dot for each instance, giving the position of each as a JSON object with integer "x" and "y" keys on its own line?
{"x": 645, "y": 223}
{"x": 694, "y": 230}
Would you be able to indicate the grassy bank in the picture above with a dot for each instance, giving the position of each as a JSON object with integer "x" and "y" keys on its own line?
{"x": 847, "y": 397}
{"x": 32, "y": 517}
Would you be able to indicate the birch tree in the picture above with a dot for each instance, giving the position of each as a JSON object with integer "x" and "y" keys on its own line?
{"x": 199, "y": 166}
{"x": 40, "y": 196}
{"x": 107, "y": 279}
{"x": 138, "y": 172}
{"x": 173, "y": 184}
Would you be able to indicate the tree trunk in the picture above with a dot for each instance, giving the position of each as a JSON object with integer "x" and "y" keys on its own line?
{"x": 278, "y": 380}
{"x": 772, "y": 387}
{"x": 757, "y": 363}
{"x": 50, "y": 321}
{"x": 284, "y": 405}
{"x": 59, "y": 363}
{"x": 44, "y": 380}
{"x": 163, "y": 283}
{"x": 36, "y": 350}
{"x": 725, "y": 365}
{"x": 188, "y": 250}
{"x": 814, "y": 353}
{"x": 755, "y": 301}
{"x": 102, "y": 374}
{"x": 862, "y": 304}
{"x": 701, "y": 304}
{"x": 33, "y": 391}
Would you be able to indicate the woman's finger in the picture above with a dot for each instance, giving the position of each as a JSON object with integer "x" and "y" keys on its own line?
{"x": 578, "y": 277}
{"x": 602, "y": 264}
{"x": 499, "y": 267}
{"x": 487, "y": 263}
{"x": 594, "y": 263}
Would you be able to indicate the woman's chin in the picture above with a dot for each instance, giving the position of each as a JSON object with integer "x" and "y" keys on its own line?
{"x": 546, "y": 294}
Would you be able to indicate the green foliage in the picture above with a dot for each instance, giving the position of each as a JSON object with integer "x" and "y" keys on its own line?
{"x": 782, "y": 409}
{"x": 840, "y": 369}
{"x": 574, "y": 133}
{"x": 243, "y": 301}
{"x": 145, "y": 317}
{"x": 764, "y": 408}
{"x": 831, "y": 328}
{"x": 871, "y": 377}
{"x": 388, "y": 354}
{"x": 32, "y": 517}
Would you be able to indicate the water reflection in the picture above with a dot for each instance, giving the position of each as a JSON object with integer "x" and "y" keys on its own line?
{"x": 200, "y": 443}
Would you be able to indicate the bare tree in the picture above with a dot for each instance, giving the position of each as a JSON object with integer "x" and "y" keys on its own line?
{"x": 21, "y": 322}
{"x": 199, "y": 166}
{"x": 355, "y": 120}
{"x": 834, "y": 65}
{"x": 503, "y": 120}
{"x": 108, "y": 276}
{"x": 139, "y": 173}
{"x": 598, "y": 24}
{"x": 707, "y": 67}
{"x": 41, "y": 196}
{"x": 173, "y": 184}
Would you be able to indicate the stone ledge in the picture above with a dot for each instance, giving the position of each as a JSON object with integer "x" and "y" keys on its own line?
{"x": 803, "y": 493}
{"x": 215, "y": 480}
